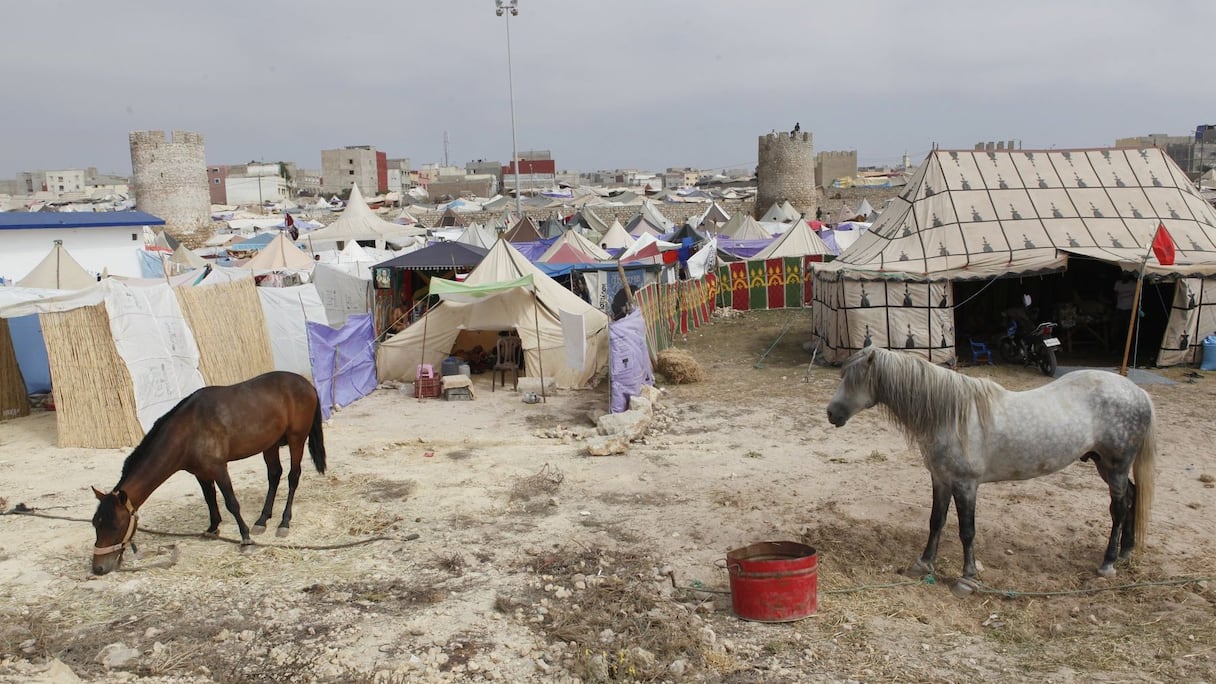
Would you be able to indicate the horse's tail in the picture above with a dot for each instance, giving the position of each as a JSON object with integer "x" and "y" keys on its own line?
{"x": 1144, "y": 473}
{"x": 316, "y": 440}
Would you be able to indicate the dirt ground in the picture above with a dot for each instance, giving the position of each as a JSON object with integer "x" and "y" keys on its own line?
{"x": 535, "y": 562}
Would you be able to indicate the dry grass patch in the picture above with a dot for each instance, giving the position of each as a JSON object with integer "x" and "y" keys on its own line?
{"x": 680, "y": 367}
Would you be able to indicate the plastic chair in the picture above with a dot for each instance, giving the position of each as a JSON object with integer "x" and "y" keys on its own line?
{"x": 506, "y": 359}
{"x": 980, "y": 350}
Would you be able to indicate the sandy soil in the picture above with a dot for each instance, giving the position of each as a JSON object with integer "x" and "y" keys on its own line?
{"x": 534, "y": 562}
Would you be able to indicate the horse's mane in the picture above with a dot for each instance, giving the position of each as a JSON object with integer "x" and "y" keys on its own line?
{"x": 925, "y": 399}
{"x": 145, "y": 447}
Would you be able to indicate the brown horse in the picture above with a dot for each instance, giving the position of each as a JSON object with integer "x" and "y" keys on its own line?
{"x": 200, "y": 435}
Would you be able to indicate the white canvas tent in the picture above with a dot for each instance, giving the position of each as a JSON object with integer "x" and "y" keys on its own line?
{"x": 978, "y": 215}
{"x": 280, "y": 255}
{"x": 780, "y": 213}
{"x": 399, "y": 356}
{"x": 742, "y": 226}
{"x": 577, "y": 242}
{"x": 359, "y": 222}
{"x": 798, "y": 241}
{"x": 58, "y": 270}
{"x": 616, "y": 237}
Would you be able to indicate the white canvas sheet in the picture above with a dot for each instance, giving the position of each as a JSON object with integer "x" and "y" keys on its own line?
{"x": 575, "y": 332}
{"x": 286, "y": 310}
{"x": 152, "y": 337}
{"x": 344, "y": 290}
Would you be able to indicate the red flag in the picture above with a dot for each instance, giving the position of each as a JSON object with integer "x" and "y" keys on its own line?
{"x": 1163, "y": 246}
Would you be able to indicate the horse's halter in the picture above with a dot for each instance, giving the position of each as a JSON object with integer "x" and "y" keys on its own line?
{"x": 126, "y": 538}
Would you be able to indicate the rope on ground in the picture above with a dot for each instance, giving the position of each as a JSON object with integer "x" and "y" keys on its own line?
{"x": 697, "y": 586}
{"x": 23, "y": 510}
{"x": 760, "y": 363}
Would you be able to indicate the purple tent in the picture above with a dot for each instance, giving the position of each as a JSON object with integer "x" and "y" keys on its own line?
{"x": 343, "y": 361}
{"x": 628, "y": 359}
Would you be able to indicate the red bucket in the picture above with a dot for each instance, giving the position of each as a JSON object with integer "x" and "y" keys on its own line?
{"x": 773, "y": 581}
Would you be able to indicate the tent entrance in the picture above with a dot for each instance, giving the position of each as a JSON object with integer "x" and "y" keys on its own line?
{"x": 1081, "y": 300}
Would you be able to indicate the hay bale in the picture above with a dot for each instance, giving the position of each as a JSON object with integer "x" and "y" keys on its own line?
{"x": 680, "y": 367}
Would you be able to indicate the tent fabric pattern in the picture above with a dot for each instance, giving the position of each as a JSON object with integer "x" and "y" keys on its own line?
{"x": 968, "y": 215}
{"x": 757, "y": 284}
{"x": 975, "y": 215}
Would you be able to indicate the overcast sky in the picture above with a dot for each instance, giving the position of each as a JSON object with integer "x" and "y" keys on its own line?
{"x": 629, "y": 83}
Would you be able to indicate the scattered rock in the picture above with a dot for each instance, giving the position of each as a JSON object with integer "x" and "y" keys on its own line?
{"x": 117, "y": 655}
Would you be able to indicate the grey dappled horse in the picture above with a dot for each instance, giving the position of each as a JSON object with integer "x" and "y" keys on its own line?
{"x": 972, "y": 430}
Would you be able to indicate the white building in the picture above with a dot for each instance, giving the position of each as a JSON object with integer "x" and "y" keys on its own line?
{"x": 244, "y": 190}
{"x": 103, "y": 241}
{"x": 60, "y": 183}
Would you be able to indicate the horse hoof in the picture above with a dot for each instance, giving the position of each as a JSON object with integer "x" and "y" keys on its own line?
{"x": 211, "y": 534}
{"x": 920, "y": 569}
{"x": 282, "y": 531}
{"x": 1107, "y": 571}
{"x": 257, "y": 529}
{"x": 248, "y": 546}
{"x": 963, "y": 588}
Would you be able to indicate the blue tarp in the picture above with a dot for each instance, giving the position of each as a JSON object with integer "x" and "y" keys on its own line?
{"x": 628, "y": 360}
{"x": 534, "y": 250}
{"x": 343, "y": 361}
{"x": 151, "y": 263}
{"x": 26, "y": 332}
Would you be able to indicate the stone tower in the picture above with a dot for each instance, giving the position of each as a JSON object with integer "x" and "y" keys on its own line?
{"x": 786, "y": 172}
{"x": 169, "y": 180}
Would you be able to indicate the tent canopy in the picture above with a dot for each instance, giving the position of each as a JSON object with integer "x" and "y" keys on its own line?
{"x": 976, "y": 215}
{"x": 58, "y": 270}
{"x": 453, "y": 291}
{"x": 359, "y": 222}
{"x": 280, "y": 255}
{"x": 443, "y": 256}
{"x": 799, "y": 240}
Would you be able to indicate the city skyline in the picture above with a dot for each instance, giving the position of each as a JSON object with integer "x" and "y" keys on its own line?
{"x": 626, "y": 85}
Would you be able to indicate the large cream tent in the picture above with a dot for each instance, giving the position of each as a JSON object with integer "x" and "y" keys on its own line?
{"x": 982, "y": 216}
{"x": 399, "y": 356}
{"x": 798, "y": 241}
{"x": 280, "y": 255}
{"x": 58, "y": 270}
{"x": 359, "y": 222}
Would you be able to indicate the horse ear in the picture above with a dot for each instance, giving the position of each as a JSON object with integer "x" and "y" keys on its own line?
{"x": 98, "y": 493}
{"x": 122, "y": 497}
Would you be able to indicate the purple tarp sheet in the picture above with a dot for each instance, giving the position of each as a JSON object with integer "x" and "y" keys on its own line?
{"x": 343, "y": 361}
{"x": 628, "y": 359}
{"x": 744, "y": 249}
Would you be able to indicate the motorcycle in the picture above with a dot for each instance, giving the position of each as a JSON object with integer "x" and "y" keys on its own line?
{"x": 1035, "y": 348}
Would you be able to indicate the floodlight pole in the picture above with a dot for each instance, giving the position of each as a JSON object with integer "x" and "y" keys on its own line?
{"x": 507, "y": 9}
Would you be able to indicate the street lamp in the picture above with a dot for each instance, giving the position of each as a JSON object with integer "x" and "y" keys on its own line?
{"x": 508, "y": 9}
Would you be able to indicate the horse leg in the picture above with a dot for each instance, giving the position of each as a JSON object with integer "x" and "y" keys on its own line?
{"x": 274, "y": 471}
{"x": 293, "y": 480}
{"x": 1127, "y": 542}
{"x": 213, "y": 508}
{"x": 1121, "y": 501}
{"x": 964, "y": 502}
{"x": 225, "y": 485}
{"x": 937, "y": 520}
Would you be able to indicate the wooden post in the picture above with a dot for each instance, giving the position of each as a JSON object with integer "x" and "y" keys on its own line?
{"x": 1131, "y": 324}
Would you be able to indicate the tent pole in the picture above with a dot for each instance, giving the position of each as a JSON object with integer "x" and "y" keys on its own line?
{"x": 539, "y": 350}
{"x": 421, "y": 358}
{"x": 1131, "y": 324}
